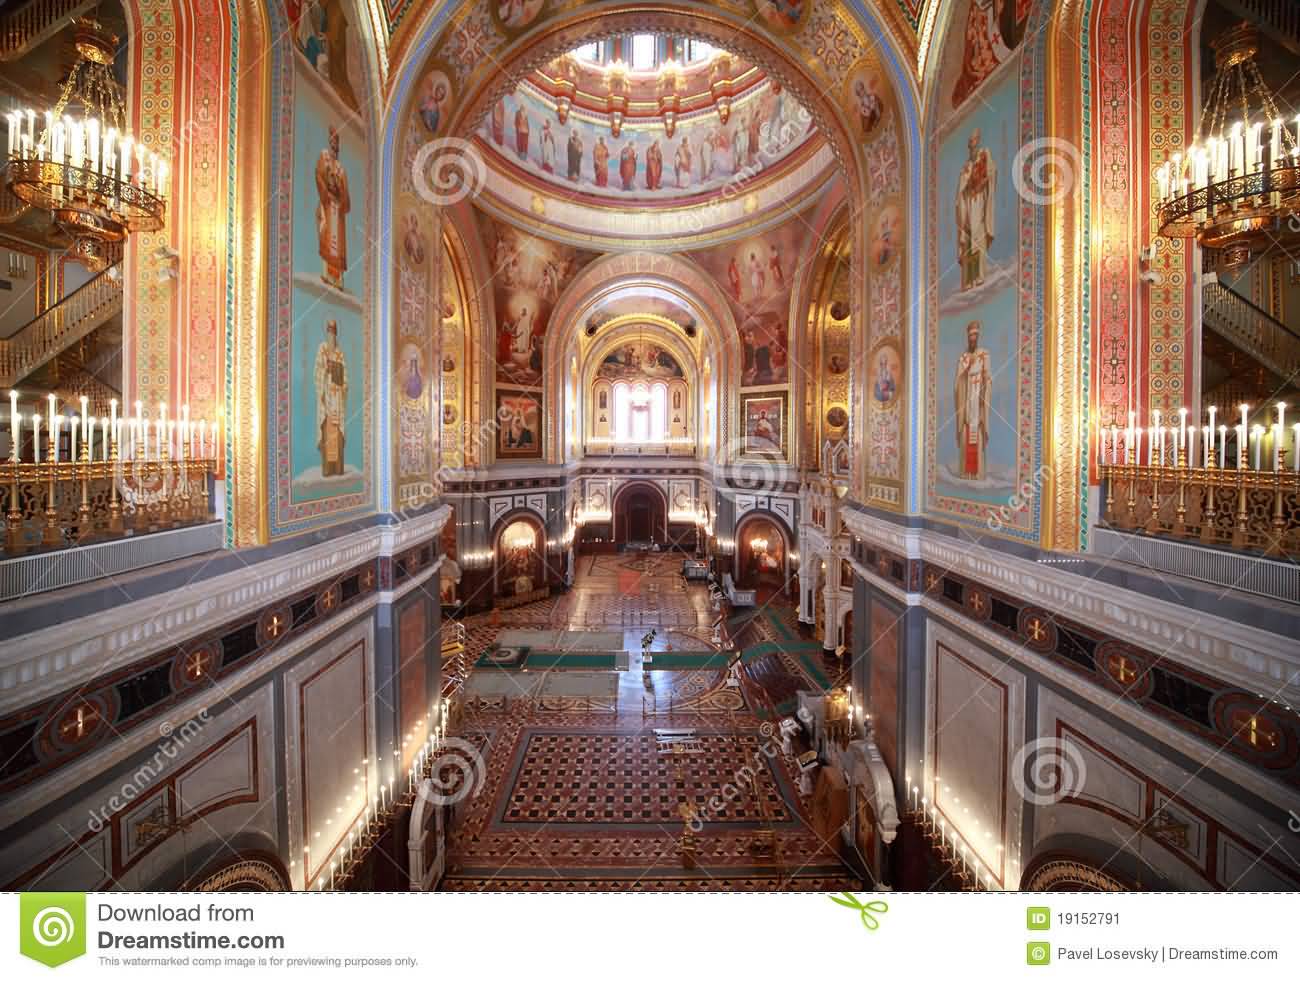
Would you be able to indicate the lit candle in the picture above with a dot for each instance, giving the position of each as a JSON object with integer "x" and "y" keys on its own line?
{"x": 56, "y": 430}
{"x": 92, "y": 144}
{"x": 1295, "y": 447}
{"x": 13, "y": 133}
{"x": 1162, "y": 179}
{"x": 1223, "y": 445}
{"x": 1129, "y": 449}
{"x": 124, "y": 172}
{"x": 112, "y": 414}
{"x": 104, "y": 423}
{"x": 36, "y": 436}
{"x": 1275, "y": 146}
{"x": 1257, "y": 434}
{"x": 53, "y": 406}
{"x": 1278, "y": 447}
{"x": 73, "y": 424}
{"x": 1137, "y": 447}
{"x": 108, "y": 154}
{"x": 1190, "y": 443}
{"x": 14, "y": 428}
{"x": 162, "y": 425}
{"x": 1182, "y": 428}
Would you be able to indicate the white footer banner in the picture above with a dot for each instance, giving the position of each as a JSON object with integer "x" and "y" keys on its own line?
{"x": 539, "y": 937}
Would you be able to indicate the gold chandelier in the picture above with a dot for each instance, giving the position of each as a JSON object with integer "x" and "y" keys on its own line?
{"x": 97, "y": 182}
{"x": 1234, "y": 188}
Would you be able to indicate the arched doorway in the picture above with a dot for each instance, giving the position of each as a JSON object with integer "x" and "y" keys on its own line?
{"x": 762, "y": 554}
{"x": 640, "y": 515}
{"x": 520, "y": 573}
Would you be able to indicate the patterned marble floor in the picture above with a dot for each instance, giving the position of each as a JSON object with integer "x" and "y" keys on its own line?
{"x": 574, "y": 794}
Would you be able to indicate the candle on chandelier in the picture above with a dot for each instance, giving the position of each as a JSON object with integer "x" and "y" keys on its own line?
{"x": 92, "y": 145}
{"x": 1137, "y": 447}
{"x": 105, "y": 425}
{"x": 124, "y": 168}
{"x": 14, "y": 426}
{"x": 13, "y": 132}
{"x": 108, "y": 154}
{"x": 56, "y": 430}
{"x": 36, "y": 436}
{"x": 1223, "y": 446}
{"x": 1182, "y": 428}
{"x": 74, "y": 423}
{"x": 1257, "y": 435}
{"x": 1295, "y": 447}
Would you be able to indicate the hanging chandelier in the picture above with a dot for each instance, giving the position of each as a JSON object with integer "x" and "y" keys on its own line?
{"x": 1236, "y": 185}
{"x": 97, "y": 182}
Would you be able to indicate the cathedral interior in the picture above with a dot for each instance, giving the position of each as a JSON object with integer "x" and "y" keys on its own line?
{"x": 569, "y": 445}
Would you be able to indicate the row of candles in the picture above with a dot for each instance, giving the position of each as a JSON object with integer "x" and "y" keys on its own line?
{"x": 85, "y": 145}
{"x": 147, "y": 439}
{"x": 369, "y": 823}
{"x": 935, "y": 826}
{"x": 1240, "y": 152}
{"x": 1183, "y": 445}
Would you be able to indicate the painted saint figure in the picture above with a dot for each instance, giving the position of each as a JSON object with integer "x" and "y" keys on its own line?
{"x": 575, "y": 155}
{"x": 548, "y": 148}
{"x": 521, "y": 133}
{"x": 682, "y": 163}
{"x": 971, "y": 385}
{"x": 654, "y": 166}
{"x": 627, "y": 165}
{"x": 976, "y": 212}
{"x": 331, "y": 401}
{"x": 985, "y": 47}
{"x": 869, "y": 106}
{"x": 600, "y": 162}
{"x": 332, "y": 212}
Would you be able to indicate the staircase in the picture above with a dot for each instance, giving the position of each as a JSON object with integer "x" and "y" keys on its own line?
{"x": 1250, "y": 329}
{"x": 36, "y": 22}
{"x": 62, "y": 325}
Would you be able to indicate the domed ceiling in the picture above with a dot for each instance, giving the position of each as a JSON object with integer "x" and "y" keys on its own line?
{"x": 667, "y": 136}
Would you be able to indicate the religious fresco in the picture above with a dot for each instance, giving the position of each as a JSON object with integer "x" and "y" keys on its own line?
{"x": 763, "y": 418}
{"x": 757, "y": 275}
{"x": 434, "y": 101}
{"x": 976, "y": 428}
{"x": 528, "y": 274}
{"x": 867, "y": 101}
{"x": 519, "y": 425}
{"x": 993, "y": 31}
{"x": 639, "y": 360}
{"x": 327, "y": 375}
{"x": 322, "y": 32}
{"x": 984, "y": 338}
{"x": 783, "y": 16}
{"x": 643, "y": 163}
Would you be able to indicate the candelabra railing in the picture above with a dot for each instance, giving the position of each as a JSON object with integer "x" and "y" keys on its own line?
{"x": 73, "y": 479}
{"x": 1236, "y": 318}
{"x": 62, "y": 325}
{"x": 1239, "y": 508}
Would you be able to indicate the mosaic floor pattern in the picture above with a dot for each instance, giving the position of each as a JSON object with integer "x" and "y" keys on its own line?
{"x": 570, "y": 791}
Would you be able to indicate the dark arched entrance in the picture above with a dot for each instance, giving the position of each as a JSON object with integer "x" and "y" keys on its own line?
{"x": 640, "y": 515}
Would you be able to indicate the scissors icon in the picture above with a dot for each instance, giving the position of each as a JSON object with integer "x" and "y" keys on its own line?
{"x": 865, "y": 909}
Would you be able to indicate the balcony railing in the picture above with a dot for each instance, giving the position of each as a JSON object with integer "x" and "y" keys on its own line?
{"x": 669, "y": 447}
{"x": 23, "y": 29}
{"x": 61, "y": 326}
